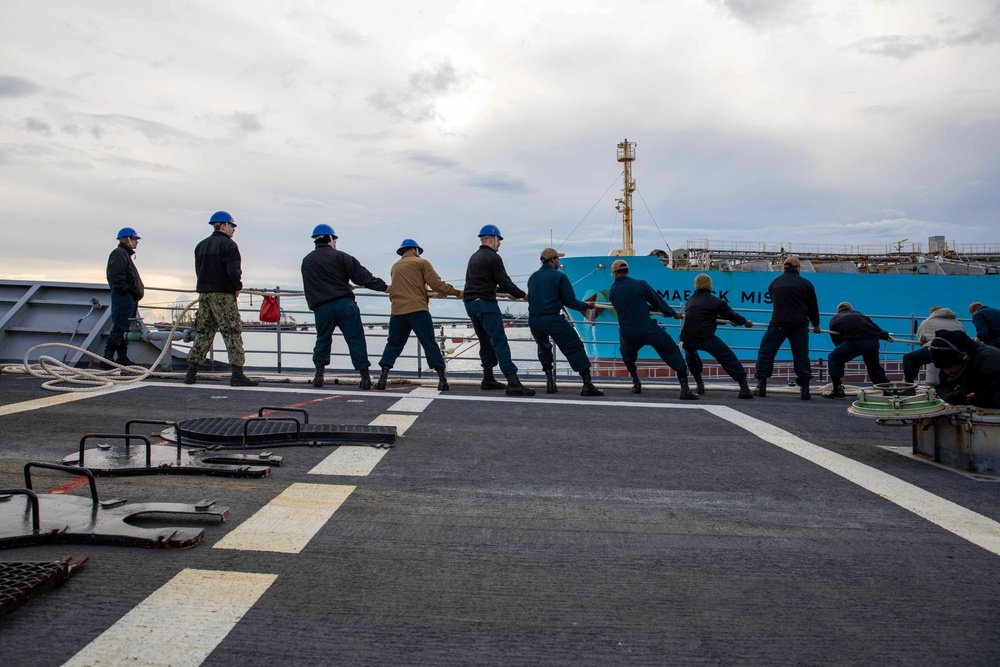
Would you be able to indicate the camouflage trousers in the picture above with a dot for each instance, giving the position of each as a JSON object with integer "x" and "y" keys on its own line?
{"x": 217, "y": 312}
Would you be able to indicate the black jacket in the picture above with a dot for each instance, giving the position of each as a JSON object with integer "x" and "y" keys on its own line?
{"x": 987, "y": 323}
{"x": 794, "y": 300}
{"x": 327, "y": 274}
{"x": 123, "y": 277}
{"x": 484, "y": 274}
{"x": 701, "y": 312}
{"x": 217, "y": 265}
{"x": 852, "y": 325}
{"x": 981, "y": 375}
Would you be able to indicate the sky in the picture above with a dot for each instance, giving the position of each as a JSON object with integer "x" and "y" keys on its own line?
{"x": 842, "y": 122}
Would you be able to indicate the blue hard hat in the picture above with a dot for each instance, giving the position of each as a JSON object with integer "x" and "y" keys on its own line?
{"x": 126, "y": 232}
{"x": 221, "y": 216}
{"x": 323, "y": 230}
{"x": 409, "y": 243}
{"x": 491, "y": 230}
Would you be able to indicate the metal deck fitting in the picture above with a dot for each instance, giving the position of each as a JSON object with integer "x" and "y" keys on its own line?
{"x": 65, "y": 519}
{"x": 260, "y": 431}
{"x": 890, "y": 404}
{"x": 105, "y": 460}
{"x": 20, "y": 581}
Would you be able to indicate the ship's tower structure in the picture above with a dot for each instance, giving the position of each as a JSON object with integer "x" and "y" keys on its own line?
{"x": 626, "y": 155}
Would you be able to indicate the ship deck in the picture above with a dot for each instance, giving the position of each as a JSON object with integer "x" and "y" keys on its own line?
{"x": 522, "y": 531}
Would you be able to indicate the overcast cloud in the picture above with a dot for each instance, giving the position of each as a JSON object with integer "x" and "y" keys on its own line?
{"x": 834, "y": 122}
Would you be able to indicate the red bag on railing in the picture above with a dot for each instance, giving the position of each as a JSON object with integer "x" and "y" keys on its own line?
{"x": 269, "y": 309}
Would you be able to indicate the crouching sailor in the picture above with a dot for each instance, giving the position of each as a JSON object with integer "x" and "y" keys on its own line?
{"x": 326, "y": 278}
{"x": 701, "y": 315}
{"x": 634, "y": 300}
{"x": 411, "y": 275}
{"x": 549, "y": 291}
{"x": 855, "y": 335}
{"x": 970, "y": 370}
{"x": 126, "y": 293}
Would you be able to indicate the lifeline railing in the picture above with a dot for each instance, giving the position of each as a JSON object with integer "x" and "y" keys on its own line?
{"x": 288, "y": 338}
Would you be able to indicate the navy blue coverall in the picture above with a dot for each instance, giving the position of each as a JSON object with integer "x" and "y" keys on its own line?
{"x": 482, "y": 277}
{"x": 701, "y": 313}
{"x": 549, "y": 291}
{"x": 633, "y": 300}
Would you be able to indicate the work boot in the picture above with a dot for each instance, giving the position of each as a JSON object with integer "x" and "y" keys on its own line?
{"x": 744, "y": 389}
{"x": 699, "y": 385}
{"x": 515, "y": 388}
{"x": 636, "y": 385}
{"x": 838, "y": 391}
{"x": 686, "y": 393}
{"x": 109, "y": 354}
{"x": 383, "y": 377}
{"x": 550, "y": 381}
{"x": 240, "y": 380}
{"x": 442, "y": 380}
{"x": 804, "y": 391}
{"x": 318, "y": 378}
{"x": 123, "y": 355}
{"x": 761, "y": 389}
{"x": 366, "y": 380}
{"x": 192, "y": 373}
{"x": 588, "y": 385}
{"x": 489, "y": 382}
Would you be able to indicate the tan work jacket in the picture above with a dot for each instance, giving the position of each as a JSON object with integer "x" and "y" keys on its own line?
{"x": 408, "y": 289}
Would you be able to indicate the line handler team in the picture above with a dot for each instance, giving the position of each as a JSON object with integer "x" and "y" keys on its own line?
{"x": 970, "y": 368}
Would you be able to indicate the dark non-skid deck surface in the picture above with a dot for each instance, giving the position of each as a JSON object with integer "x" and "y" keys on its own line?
{"x": 533, "y": 532}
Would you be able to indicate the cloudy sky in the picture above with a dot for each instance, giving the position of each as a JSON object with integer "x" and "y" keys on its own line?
{"x": 767, "y": 120}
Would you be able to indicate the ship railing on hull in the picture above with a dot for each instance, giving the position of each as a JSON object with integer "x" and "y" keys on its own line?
{"x": 290, "y": 349}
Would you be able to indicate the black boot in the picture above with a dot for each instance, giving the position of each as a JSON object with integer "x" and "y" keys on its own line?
{"x": 838, "y": 391}
{"x": 366, "y": 380}
{"x": 744, "y": 389}
{"x": 442, "y": 380}
{"x": 240, "y": 380}
{"x": 761, "y": 389}
{"x": 550, "y": 381}
{"x": 804, "y": 391}
{"x": 123, "y": 356}
{"x": 318, "y": 378}
{"x": 192, "y": 373}
{"x": 588, "y": 385}
{"x": 109, "y": 354}
{"x": 686, "y": 393}
{"x": 699, "y": 384}
{"x": 383, "y": 377}
{"x": 489, "y": 382}
{"x": 636, "y": 385}
{"x": 515, "y": 388}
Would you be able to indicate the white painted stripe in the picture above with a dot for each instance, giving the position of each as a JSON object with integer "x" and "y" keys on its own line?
{"x": 417, "y": 401}
{"x": 287, "y": 523}
{"x": 360, "y": 461}
{"x": 59, "y": 399}
{"x": 954, "y": 518}
{"x": 178, "y": 625}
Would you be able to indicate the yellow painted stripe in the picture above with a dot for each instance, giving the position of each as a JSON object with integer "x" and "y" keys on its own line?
{"x": 180, "y": 624}
{"x": 417, "y": 401}
{"x": 287, "y": 523}
{"x": 965, "y": 523}
{"x": 59, "y": 399}
{"x": 360, "y": 461}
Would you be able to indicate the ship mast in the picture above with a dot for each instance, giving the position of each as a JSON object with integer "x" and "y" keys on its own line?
{"x": 626, "y": 155}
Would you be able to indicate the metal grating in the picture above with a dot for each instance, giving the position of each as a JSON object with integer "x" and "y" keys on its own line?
{"x": 22, "y": 581}
{"x": 228, "y": 432}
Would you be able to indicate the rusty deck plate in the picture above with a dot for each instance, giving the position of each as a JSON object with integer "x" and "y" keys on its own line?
{"x": 21, "y": 581}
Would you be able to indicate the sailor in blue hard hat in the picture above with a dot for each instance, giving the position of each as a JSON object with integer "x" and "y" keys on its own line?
{"x": 485, "y": 274}
{"x": 219, "y": 271}
{"x": 327, "y": 274}
{"x": 411, "y": 276}
{"x": 126, "y": 292}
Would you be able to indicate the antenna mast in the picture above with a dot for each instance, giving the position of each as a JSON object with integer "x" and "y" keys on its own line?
{"x": 626, "y": 155}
